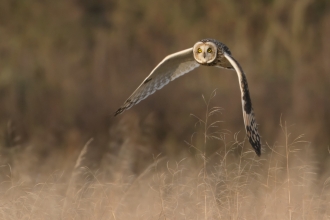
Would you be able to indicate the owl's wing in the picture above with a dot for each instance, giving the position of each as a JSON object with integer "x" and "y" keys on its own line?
{"x": 251, "y": 126}
{"x": 170, "y": 68}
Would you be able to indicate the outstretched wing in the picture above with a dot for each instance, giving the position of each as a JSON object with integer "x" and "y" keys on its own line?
{"x": 251, "y": 126}
{"x": 170, "y": 68}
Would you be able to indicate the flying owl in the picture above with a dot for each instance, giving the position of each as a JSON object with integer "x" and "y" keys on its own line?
{"x": 206, "y": 52}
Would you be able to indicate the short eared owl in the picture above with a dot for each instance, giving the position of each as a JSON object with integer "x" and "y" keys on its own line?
{"x": 207, "y": 52}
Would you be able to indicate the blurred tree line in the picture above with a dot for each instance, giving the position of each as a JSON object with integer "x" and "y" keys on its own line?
{"x": 66, "y": 66}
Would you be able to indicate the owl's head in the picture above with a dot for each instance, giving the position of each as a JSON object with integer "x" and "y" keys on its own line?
{"x": 205, "y": 52}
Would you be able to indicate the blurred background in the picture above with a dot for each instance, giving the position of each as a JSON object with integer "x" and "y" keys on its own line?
{"x": 67, "y": 66}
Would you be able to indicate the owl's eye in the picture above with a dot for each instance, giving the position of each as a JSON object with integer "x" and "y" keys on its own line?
{"x": 199, "y": 50}
{"x": 209, "y": 50}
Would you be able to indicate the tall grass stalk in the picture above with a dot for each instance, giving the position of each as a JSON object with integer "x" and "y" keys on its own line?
{"x": 210, "y": 111}
{"x": 75, "y": 172}
{"x": 287, "y": 150}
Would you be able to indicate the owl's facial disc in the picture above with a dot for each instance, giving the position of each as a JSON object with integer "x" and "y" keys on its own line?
{"x": 205, "y": 53}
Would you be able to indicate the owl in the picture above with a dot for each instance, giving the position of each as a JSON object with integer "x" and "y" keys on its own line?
{"x": 206, "y": 52}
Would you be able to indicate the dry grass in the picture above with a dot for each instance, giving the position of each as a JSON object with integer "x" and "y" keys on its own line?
{"x": 230, "y": 183}
{"x": 64, "y": 69}
{"x": 231, "y": 187}
{"x": 66, "y": 66}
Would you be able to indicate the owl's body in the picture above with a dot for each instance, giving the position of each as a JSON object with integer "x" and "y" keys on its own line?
{"x": 207, "y": 52}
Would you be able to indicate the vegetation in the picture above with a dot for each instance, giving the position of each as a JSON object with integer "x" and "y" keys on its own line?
{"x": 66, "y": 66}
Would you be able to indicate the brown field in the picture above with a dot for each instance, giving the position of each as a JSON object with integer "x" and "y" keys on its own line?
{"x": 66, "y": 67}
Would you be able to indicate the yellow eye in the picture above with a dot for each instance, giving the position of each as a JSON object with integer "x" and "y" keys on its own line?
{"x": 209, "y": 50}
{"x": 199, "y": 50}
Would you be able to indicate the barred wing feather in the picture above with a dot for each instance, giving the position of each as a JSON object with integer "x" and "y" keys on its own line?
{"x": 248, "y": 114}
{"x": 172, "y": 67}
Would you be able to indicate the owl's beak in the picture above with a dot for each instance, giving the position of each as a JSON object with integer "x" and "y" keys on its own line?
{"x": 204, "y": 60}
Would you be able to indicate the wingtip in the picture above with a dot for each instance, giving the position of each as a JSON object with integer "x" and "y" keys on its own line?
{"x": 256, "y": 146}
{"x": 258, "y": 152}
{"x": 119, "y": 111}
{"x": 254, "y": 138}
